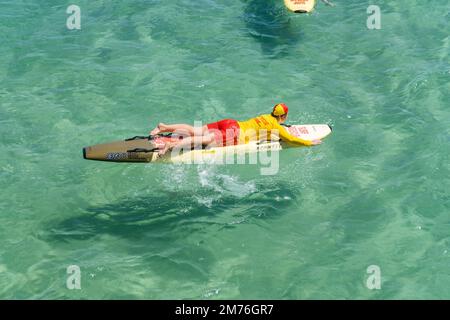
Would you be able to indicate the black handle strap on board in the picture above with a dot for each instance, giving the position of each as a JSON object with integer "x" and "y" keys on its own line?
{"x": 137, "y": 150}
{"x": 138, "y": 138}
{"x": 150, "y": 137}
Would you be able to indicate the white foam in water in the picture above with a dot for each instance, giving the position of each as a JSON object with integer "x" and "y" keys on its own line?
{"x": 173, "y": 177}
{"x": 235, "y": 187}
{"x": 206, "y": 177}
{"x": 206, "y": 201}
{"x": 211, "y": 293}
{"x": 205, "y": 183}
{"x": 222, "y": 184}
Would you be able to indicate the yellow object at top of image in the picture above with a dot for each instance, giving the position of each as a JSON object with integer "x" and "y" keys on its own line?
{"x": 300, "y": 6}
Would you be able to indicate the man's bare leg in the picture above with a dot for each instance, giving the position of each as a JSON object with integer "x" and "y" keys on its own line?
{"x": 189, "y": 141}
{"x": 182, "y": 128}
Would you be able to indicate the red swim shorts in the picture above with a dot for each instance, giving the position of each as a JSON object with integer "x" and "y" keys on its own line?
{"x": 226, "y": 132}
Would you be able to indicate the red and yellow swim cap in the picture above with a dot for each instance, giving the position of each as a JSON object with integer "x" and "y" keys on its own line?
{"x": 280, "y": 110}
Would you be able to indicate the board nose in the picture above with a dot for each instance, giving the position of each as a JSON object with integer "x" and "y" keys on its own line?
{"x": 84, "y": 153}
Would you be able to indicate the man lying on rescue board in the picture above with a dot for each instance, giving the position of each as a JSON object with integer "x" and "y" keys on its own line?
{"x": 232, "y": 132}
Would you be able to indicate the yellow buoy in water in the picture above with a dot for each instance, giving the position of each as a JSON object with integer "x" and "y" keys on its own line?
{"x": 300, "y": 6}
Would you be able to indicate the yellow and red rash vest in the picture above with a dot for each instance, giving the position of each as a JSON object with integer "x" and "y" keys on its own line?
{"x": 254, "y": 129}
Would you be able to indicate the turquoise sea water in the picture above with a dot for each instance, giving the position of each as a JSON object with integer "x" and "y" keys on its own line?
{"x": 374, "y": 193}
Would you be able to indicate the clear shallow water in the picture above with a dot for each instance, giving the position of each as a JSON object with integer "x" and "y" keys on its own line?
{"x": 375, "y": 193}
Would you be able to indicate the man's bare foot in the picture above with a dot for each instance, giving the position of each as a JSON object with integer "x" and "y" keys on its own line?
{"x": 159, "y": 128}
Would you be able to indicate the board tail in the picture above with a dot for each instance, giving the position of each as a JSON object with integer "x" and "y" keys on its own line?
{"x": 136, "y": 149}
